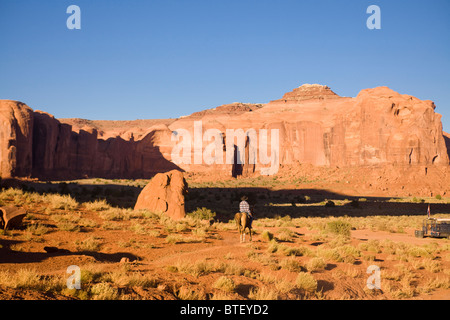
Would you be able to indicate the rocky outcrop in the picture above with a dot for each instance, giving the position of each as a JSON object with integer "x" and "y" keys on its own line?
{"x": 35, "y": 144}
{"x": 316, "y": 126}
{"x": 164, "y": 194}
{"x": 233, "y": 109}
{"x": 447, "y": 142}
{"x": 16, "y": 138}
{"x": 308, "y": 92}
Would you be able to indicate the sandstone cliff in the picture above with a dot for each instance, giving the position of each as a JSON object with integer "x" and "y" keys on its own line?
{"x": 316, "y": 126}
{"x": 16, "y": 134}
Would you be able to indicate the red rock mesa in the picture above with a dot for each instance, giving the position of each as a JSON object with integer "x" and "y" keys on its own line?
{"x": 316, "y": 126}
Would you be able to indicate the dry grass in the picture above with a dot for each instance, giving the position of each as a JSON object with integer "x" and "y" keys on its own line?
{"x": 225, "y": 283}
{"x": 284, "y": 264}
{"x": 306, "y": 281}
{"x": 91, "y": 244}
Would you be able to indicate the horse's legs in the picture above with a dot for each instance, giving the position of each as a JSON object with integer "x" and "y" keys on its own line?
{"x": 250, "y": 231}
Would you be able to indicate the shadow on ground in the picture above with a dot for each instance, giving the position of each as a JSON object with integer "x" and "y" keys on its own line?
{"x": 10, "y": 256}
{"x": 267, "y": 202}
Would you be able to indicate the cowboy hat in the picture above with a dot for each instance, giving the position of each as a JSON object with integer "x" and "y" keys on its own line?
{"x": 244, "y": 198}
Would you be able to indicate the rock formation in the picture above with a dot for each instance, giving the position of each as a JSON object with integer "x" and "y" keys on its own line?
{"x": 164, "y": 194}
{"x": 447, "y": 142}
{"x": 316, "y": 126}
{"x": 16, "y": 138}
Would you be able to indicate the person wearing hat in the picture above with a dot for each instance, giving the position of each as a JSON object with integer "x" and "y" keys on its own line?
{"x": 244, "y": 207}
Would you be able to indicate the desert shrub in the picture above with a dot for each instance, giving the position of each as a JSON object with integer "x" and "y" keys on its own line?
{"x": 438, "y": 197}
{"x": 97, "y": 205}
{"x": 267, "y": 235}
{"x": 262, "y": 293}
{"x": 339, "y": 227}
{"x": 418, "y": 252}
{"x": 138, "y": 228}
{"x": 330, "y": 254}
{"x": 90, "y": 274}
{"x": 197, "y": 268}
{"x": 61, "y": 202}
{"x": 88, "y": 223}
{"x": 89, "y": 244}
{"x": 104, "y": 291}
{"x": 291, "y": 264}
{"x": 113, "y": 214}
{"x": 25, "y": 279}
{"x": 316, "y": 264}
{"x": 348, "y": 253}
{"x": 273, "y": 246}
{"x": 284, "y": 286}
{"x": 285, "y": 235}
{"x": 186, "y": 293}
{"x": 306, "y": 281}
{"x": 37, "y": 229}
{"x": 225, "y": 283}
{"x": 183, "y": 226}
{"x": 68, "y": 226}
{"x": 178, "y": 238}
{"x": 202, "y": 214}
{"x": 292, "y": 251}
{"x": 234, "y": 269}
{"x": 369, "y": 257}
{"x": 432, "y": 265}
{"x": 264, "y": 259}
{"x": 122, "y": 277}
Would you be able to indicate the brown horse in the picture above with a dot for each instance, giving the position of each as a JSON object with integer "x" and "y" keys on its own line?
{"x": 243, "y": 222}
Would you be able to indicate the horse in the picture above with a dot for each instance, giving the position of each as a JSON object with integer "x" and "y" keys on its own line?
{"x": 243, "y": 222}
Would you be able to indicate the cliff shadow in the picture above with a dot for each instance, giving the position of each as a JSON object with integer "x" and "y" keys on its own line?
{"x": 59, "y": 153}
{"x": 225, "y": 200}
{"x": 447, "y": 144}
{"x": 269, "y": 203}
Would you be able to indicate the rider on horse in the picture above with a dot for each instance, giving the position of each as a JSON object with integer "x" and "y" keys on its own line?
{"x": 244, "y": 207}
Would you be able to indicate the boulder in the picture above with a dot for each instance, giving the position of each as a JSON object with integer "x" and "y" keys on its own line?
{"x": 11, "y": 217}
{"x": 164, "y": 194}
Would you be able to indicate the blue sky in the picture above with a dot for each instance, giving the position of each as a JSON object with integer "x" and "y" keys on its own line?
{"x": 139, "y": 59}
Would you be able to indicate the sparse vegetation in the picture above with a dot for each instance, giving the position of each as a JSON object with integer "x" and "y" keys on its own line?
{"x": 292, "y": 256}
{"x": 224, "y": 283}
{"x": 306, "y": 281}
{"x": 339, "y": 227}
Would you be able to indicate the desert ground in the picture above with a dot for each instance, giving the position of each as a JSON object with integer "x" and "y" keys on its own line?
{"x": 313, "y": 239}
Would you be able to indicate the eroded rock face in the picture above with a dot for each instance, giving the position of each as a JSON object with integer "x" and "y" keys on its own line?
{"x": 308, "y": 92}
{"x": 316, "y": 126}
{"x": 164, "y": 194}
{"x": 447, "y": 142}
{"x": 16, "y": 134}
